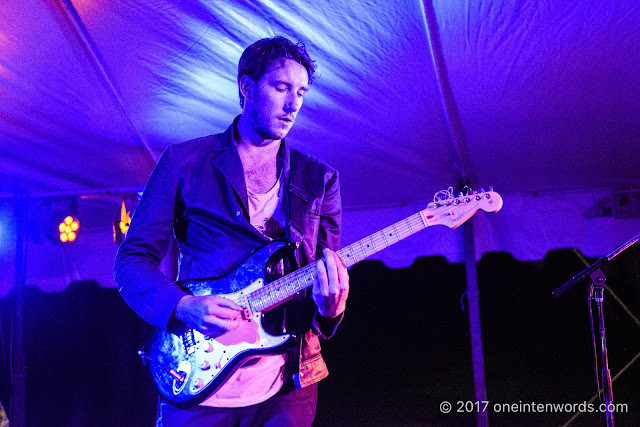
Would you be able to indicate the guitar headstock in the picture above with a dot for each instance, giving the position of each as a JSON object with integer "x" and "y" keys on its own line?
{"x": 455, "y": 211}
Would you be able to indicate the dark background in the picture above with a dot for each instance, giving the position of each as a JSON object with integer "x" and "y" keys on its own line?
{"x": 403, "y": 348}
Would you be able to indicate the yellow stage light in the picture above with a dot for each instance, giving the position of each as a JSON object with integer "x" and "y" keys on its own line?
{"x": 68, "y": 229}
{"x": 121, "y": 227}
{"x": 125, "y": 218}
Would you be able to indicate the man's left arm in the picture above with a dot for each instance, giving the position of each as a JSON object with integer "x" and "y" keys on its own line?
{"x": 331, "y": 290}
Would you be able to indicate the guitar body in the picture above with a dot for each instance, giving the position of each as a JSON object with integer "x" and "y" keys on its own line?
{"x": 205, "y": 362}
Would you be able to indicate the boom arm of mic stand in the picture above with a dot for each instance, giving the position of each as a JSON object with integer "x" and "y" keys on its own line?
{"x": 580, "y": 276}
{"x": 593, "y": 267}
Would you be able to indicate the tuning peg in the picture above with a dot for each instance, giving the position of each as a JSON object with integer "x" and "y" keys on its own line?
{"x": 490, "y": 188}
{"x": 481, "y": 190}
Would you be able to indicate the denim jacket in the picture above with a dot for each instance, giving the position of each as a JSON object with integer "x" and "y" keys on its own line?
{"x": 197, "y": 194}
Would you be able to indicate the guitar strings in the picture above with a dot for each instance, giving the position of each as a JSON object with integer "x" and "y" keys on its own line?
{"x": 287, "y": 286}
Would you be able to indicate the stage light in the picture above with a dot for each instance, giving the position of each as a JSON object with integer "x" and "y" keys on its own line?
{"x": 121, "y": 227}
{"x": 125, "y": 218}
{"x": 68, "y": 229}
{"x": 63, "y": 225}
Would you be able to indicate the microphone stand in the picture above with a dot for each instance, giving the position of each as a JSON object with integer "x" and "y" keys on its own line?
{"x": 598, "y": 281}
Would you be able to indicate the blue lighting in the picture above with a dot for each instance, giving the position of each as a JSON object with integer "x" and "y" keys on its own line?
{"x": 6, "y": 232}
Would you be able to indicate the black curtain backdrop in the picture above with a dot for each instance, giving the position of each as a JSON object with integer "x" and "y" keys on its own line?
{"x": 402, "y": 349}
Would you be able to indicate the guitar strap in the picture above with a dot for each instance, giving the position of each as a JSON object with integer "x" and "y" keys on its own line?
{"x": 296, "y": 199}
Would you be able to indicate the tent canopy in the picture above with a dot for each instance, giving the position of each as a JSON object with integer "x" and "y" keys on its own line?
{"x": 91, "y": 92}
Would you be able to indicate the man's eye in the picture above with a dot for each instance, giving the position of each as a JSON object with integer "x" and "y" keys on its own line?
{"x": 281, "y": 89}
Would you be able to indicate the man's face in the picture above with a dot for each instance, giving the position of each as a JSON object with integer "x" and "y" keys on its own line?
{"x": 275, "y": 99}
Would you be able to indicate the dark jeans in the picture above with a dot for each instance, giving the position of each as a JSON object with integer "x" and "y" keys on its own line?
{"x": 290, "y": 407}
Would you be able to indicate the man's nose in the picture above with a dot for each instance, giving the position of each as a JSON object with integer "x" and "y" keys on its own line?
{"x": 293, "y": 103}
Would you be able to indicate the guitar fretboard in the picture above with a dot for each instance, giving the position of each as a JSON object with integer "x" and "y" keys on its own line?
{"x": 286, "y": 287}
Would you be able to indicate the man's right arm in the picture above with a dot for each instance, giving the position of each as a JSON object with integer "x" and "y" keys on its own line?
{"x": 141, "y": 283}
{"x": 155, "y": 297}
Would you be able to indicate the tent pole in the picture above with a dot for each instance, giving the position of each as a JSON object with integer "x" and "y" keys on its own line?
{"x": 87, "y": 42}
{"x": 81, "y": 193}
{"x": 451, "y": 113}
{"x": 473, "y": 301}
{"x": 456, "y": 129}
{"x": 19, "y": 367}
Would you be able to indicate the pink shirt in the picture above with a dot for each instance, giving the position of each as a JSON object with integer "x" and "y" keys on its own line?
{"x": 258, "y": 379}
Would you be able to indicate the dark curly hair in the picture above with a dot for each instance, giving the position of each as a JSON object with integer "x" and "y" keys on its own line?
{"x": 256, "y": 58}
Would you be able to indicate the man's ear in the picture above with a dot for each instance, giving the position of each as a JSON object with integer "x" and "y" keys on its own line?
{"x": 246, "y": 87}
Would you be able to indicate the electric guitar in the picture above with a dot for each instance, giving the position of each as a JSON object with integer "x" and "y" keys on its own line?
{"x": 187, "y": 366}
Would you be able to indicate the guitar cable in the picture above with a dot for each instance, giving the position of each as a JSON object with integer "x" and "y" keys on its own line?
{"x": 169, "y": 370}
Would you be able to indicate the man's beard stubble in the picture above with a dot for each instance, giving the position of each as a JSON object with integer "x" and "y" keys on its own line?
{"x": 263, "y": 128}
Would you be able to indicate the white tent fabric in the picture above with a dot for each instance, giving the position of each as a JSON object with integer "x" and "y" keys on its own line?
{"x": 91, "y": 91}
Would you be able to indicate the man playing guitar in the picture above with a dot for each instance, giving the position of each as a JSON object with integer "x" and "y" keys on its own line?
{"x": 222, "y": 197}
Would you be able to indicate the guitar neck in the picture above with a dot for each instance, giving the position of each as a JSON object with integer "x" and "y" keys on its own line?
{"x": 286, "y": 287}
{"x": 451, "y": 212}
{"x": 376, "y": 242}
